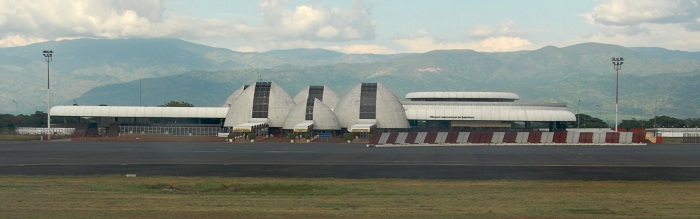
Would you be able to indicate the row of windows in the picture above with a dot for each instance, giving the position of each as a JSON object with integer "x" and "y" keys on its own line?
{"x": 368, "y": 101}
{"x": 261, "y": 99}
{"x": 315, "y": 92}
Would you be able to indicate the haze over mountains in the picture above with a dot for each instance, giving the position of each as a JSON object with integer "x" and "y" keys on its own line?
{"x": 653, "y": 81}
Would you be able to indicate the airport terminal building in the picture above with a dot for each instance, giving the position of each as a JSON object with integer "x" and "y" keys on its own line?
{"x": 266, "y": 108}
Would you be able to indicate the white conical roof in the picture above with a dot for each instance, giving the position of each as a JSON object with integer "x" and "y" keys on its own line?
{"x": 233, "y": 96}
{"x": 330, "y": 97}
{"x": 389, "y": 111}
{"x": 241, "y": 110}
{"x": 323, "y": 116}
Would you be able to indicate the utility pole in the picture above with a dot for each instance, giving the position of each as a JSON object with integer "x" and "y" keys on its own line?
{"x": 48, "y": 54}
{"x": 617, "y": 62}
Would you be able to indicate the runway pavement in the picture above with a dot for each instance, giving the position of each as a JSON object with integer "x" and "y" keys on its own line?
{"x": 649, "y": 162}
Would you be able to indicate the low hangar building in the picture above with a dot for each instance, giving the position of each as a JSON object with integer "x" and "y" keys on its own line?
{"x": 265, "y": 108}
{"x": 469, "y": 110}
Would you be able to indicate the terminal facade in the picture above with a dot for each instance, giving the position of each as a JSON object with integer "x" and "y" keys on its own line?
{"x": 265, "y": 108}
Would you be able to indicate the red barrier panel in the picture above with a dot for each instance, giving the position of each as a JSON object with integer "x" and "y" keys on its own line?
{"x": 411, "y": 137}
{"x": 392, "y": 138}
{"x": 638, "y": 137}
{"x": 510, "y": 137}
{"x": 560, "y": 137}
{"x": 452, "y": 137}
{"x": 430, "y": 138}
{"x": 534, "y": 137}
{"x": 486, "y": 137}
{"x": 637, "y": 130}
{"x": 642, "y": 137}
{"x": 585, "y": 137}
{"x": 659, "y": 140}
{"x": 375, "y": 138}
{"x": 612, "y": 137}
{"x": 474, "y": 137}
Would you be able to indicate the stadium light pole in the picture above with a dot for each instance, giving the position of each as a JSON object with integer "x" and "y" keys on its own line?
{"x": 48, "y": 54}
{"x": 617, "y": 62}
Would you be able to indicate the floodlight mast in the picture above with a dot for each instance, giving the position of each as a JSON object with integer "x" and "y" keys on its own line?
{"x": 617, "y": 62}
{"x": 48, "y": 54}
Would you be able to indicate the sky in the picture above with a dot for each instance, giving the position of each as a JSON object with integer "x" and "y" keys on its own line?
{"x": 360, "y": 26}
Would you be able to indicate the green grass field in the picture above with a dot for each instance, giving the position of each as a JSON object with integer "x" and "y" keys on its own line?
{"x": 213, "y": 197}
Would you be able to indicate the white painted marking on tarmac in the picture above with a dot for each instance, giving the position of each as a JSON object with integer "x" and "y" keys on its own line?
{"x": 289, "y": 151}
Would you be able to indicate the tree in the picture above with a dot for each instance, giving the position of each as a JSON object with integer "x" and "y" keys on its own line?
{"x": 692, "y": 122}
{"x": 173, "y": 103}
{"x": 587, "y": 121}
{"x": 634, "y": 123}
{"x": 659, "y": 122}
{"x": 348, "y": 136}
{"x": 669, "y": 122}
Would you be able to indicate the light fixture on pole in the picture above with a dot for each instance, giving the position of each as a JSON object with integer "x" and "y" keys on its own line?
{"x": 617, "y": 62}
{"x": 48, "y": 55}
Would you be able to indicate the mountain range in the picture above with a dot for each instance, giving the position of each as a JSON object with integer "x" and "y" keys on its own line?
{"x": 653, "y": 81}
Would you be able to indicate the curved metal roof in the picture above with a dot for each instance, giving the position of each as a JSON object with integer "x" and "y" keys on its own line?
{"x": 330, "y": 97}
{"x": 488, "y": 112}
{"x": 323, "y": 117}
{"x": 140, "y": 111}
{"x": 279, "y": 105}
{"x": 465, "y": 95}
{"x": 389, "y": 112}
{"x": 233, "y": 96}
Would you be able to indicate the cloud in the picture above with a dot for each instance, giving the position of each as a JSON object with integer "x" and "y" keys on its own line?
{"x": 317, "y": 22}
{"x": 57, "y": 19}
{"x": 501, "y": 44}
{"x": 635, "y": 12}
{"x": 362, "y": 49}
{"x": 17, "y": 40}
{"x": 25, "y": 22}
{"x": 670, "y": 36}
{"x": 507, "y": 27}
{"x": 424, "y": 43}
{"x": 636, "y": 16}
{"x": 502, "y": 38}
{"x": 482, "y": 31}
{"x": 673, "y": 24}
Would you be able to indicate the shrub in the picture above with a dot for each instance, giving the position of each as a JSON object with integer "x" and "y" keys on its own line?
{"x": 252, "y": 136}
{"x": 348, "y": 136}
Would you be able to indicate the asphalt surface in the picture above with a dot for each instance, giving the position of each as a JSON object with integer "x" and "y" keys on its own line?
{"x": 680, "y": 162}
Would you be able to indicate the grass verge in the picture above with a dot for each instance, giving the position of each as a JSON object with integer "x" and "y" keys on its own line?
{"x": 213, "y": 197}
